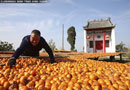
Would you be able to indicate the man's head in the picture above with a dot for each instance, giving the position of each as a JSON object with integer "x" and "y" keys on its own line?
{"x": 35, "y": 37}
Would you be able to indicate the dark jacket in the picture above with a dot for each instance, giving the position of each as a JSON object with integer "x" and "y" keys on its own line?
{"x": 27, "y": 49}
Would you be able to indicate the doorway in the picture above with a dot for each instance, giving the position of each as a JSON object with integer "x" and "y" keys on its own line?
{"x": 99, "y": 45}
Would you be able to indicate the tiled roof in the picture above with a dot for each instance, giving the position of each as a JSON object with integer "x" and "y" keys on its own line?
{"x": 99, "y": 24}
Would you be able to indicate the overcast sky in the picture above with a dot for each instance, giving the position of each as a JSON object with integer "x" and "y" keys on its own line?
{"x": 18, "y": 20}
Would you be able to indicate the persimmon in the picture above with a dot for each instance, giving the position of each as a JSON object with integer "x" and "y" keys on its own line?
{"x": 13, "y": 86}
{"x": 123, "y": 87}
{"x": 23, "y": 88}
{"x": 77, "y": 85}
{"x": 54, "y": 86}
{"x": 76, "y": 88}
{"x": 127, "y": 82}
{"x": 43, "y": 77}
{"x": 115, "y": 85}
{"x": 20, "y": 75}
{"x": 25, "y": 65}
{"x": 6, "y": 85}
{"x": 75, "y": 72}
{"x": 41, "y": 87}
{"x": 95, "y": 83}
{"x": 112, "y": 88}
{"x": 70, "y": 88}
{"x": 18, "y": 66}
{"x": 62, "y": 87}
{"x": 23, "y": 80}
{"x": 74, "y": 79}
{"x": 37, "y": 84}
{"x": 3, "y": 81}
{"x": 26, "y": 74}
{"x": 1, "y": 67}
{"x": 42, "y": 82}
{"x": 69, "y": 76}
{"x": 1, "y": 88}
{"x": 101, "y": 81}
{"x": 71, "y": 83}
{"x": 47, "y": 84}
{"x": 97, "y": 87}
{"x": 30, "y": 77}
{"x": 33, "y": 72}
{"x": 42, "y": 72}
{"x": 93, "y": 77}
{"x": 31, "y": 84}
{"x": 105, "y": 87}
{"x": 108, "y": 82}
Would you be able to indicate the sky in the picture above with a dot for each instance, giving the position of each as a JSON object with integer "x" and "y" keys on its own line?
{"x": 18, "y": 20}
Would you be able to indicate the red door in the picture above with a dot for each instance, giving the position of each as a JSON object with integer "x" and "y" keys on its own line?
{"x": 99, "y": 45}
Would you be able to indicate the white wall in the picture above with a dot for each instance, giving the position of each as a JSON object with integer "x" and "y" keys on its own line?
{"x": 108, "y": 49}
{"x": 113, "y": 41}
{"x": 85, "y": 41}
{"x": 89, "y": 50}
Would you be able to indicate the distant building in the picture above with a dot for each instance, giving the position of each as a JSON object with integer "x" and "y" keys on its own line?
{"x": 99, "y": 36}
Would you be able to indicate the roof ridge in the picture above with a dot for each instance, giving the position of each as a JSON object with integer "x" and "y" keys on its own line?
{"x": 96, "y": 23}
{"x": 98, "y": 20}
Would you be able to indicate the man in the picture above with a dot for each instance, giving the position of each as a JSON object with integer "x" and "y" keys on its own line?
{"x": 30, "y": 46}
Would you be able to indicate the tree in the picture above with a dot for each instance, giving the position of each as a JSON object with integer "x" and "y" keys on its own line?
{"x": 121, "y": 47}
{"x": 71, "y": 37}
{"x": 5, "y": 46}
{"x": 52, "y": 45}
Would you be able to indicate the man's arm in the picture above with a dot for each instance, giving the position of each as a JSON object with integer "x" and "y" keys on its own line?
{"x": 17, "y": 53}
{"x": 20, "y": 50}
{"x": 48, "y": 50}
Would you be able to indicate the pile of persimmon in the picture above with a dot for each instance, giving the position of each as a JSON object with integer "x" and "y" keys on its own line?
{"x": 67, "y": 74}
{"x": 82, "y": 56}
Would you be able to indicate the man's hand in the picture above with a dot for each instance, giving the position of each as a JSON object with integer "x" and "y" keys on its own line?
{"x": 12, "y": 62}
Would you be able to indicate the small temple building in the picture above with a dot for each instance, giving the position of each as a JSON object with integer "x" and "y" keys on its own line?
{"x": 99, "y": 36}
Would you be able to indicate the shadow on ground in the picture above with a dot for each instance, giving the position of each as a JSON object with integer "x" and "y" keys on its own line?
{"x": 119, "y": 61}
